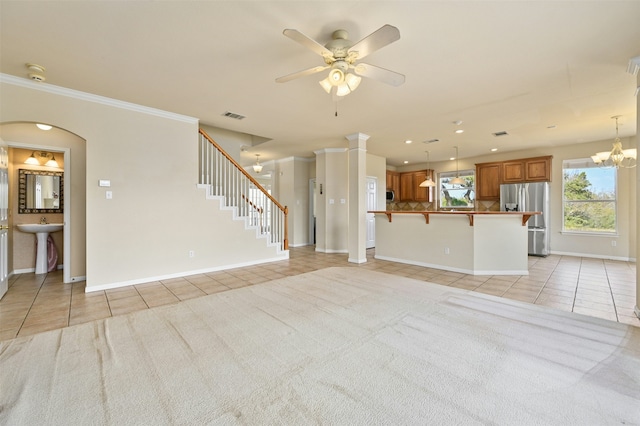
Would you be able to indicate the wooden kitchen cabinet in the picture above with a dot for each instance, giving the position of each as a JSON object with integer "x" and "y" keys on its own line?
{"x": 410, "y": 186}
{"x": 407, "y": 188}
{"x": 422, "y": 194}
{"x": 393, "y": 182}
{"x": 488, "y": 178}
{"x": 538, "y": 169}
{"x": 513, "y": 171}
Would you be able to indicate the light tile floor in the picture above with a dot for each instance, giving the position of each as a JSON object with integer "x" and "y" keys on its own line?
{"x": 599, "y": 288}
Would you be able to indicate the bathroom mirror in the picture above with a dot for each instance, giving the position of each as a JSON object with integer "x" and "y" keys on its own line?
{"x": 40, "y": 191}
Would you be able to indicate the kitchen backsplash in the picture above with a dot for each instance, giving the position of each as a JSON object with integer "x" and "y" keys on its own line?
{"x": 407, "y": 206}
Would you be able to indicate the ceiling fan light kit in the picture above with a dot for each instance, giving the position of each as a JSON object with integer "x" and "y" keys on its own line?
{"x": 340, "y": 56}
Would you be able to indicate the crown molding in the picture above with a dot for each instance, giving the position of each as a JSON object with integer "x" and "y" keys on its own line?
{"x": 303, "y": 159}
{"x": 83, "y": 96}
{"x": 329, "y": 151}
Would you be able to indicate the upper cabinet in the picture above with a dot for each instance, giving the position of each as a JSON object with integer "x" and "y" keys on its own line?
{"x": 393, "y": 182}
{"x": 407, "y": 185}
{"x": 488, "y": 181}
{"x": 489, "y": 176}
{"x": 513, "y": 171}
{"x": 407, "y": 188}
{"x": 426, "y": 193}
{"x": 538, "y": 169}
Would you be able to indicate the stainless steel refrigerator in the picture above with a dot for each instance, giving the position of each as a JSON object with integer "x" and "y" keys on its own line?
{"x": 531, "y": 197}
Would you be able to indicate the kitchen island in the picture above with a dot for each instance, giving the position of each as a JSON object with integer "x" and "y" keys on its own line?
{"x": 470, "y": 242}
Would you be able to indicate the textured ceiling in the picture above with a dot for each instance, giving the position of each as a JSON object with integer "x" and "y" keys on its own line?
{"x": 517, "y": 66}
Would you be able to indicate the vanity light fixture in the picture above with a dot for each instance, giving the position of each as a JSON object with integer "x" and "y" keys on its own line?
{"x": 257, "y": 167}
{"x": 52, "y": 162}
{"x": 37, "y": 158}
{"x": 32, "y": 160}
{"x": 428, "y": 182}
{"x": 617, "y": 157}
{"x": 457, "y": 180}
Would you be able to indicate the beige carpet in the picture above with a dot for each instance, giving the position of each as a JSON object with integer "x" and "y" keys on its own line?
{"x": 340, "y": 346}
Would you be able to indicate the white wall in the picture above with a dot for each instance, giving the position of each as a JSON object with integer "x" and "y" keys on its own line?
{"x": 157, "y": 215}
{"x": 292, "y": 181}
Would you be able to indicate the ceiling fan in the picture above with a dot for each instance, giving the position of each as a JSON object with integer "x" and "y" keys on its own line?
{"x": 340, "y": 55}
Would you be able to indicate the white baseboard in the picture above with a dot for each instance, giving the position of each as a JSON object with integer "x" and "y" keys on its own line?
{"x": 110, "y": 286}
{"x": 452, "y": 269}
{"x": 591, "y": 256}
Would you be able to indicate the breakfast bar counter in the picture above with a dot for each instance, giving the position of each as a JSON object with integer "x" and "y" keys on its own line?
{"x": 470, "y": 242}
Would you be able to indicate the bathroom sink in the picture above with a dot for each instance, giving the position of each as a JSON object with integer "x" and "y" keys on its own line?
{"x": 36, "y": 228}
{"x": 42, "y": 231}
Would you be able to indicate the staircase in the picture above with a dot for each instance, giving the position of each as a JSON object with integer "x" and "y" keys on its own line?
{"x": 225, "y": 179}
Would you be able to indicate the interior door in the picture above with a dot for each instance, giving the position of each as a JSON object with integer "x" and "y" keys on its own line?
{"x": 4, "y": 218}
{"x": 372, "y": 201}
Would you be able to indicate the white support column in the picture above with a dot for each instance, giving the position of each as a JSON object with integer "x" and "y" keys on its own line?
{"x": 357, "y": 197}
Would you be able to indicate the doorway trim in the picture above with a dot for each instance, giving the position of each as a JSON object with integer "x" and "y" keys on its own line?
{"x": 311, "y": 239}
{"x": 66, "y": 231}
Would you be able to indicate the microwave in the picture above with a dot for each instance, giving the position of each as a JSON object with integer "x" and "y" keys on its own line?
{"x": 391, "y": 195}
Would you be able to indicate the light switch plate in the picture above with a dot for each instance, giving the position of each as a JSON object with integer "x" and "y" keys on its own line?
{"x": 104, "y": 182}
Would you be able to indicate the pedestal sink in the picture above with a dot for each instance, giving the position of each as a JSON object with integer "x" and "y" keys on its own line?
{"x": 42, "y": 233}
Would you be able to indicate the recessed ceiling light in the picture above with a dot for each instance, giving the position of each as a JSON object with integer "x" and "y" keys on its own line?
{"x": 406, "y": 162}
{"x": 459, "y": 131}
{"x": 408, "y": 141}
{"x": 452, "y": 158}
{"x": 43, "y": 126}
{"x": 494, "y": 149}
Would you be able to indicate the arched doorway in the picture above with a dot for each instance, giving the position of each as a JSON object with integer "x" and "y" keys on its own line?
{"x": 24, "y": 137}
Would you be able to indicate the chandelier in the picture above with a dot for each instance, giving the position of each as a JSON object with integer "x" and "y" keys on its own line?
{"x": 617, "y": 157}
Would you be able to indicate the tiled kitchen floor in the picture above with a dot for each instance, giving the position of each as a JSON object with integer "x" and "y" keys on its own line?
{"x": 599, "y": 288}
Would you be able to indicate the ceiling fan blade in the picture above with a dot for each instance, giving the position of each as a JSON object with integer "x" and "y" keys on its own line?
{"x": 299, "y": 74}
{"x": 378, "y": 39}
{"x": 384, "y": 75}
{"x": 307, "y": 42}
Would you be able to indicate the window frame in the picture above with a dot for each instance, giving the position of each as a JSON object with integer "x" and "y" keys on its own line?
{"x": 452, "y": 174}
{"x": 581, "y": 164}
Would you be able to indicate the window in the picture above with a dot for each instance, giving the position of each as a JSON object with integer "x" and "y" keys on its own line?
{"x": 454, "y": 196}
{"x": 589, "y": 197}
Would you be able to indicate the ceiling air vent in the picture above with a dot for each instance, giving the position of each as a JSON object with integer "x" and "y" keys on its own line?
{"x": 503, "y": 133}
{"x": 432, "y": 141}
{"x": 233, "y": 115}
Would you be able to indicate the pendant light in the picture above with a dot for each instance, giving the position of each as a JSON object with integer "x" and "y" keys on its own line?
{"x": 257, "y": 167}
{"x": 428, "y": 182}
{"x": 457, "y": 180}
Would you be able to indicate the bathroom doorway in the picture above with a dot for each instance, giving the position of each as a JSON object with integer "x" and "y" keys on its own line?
{"x": 27, "y": 137}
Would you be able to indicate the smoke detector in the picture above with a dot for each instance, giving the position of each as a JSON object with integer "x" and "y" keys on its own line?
{"x": 37, "y": 72}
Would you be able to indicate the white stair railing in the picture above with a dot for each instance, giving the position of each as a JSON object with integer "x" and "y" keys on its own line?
{"x": 227, "y": 179}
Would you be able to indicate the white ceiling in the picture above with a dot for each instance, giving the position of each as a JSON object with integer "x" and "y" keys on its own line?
{"x": 514, "y": 66}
